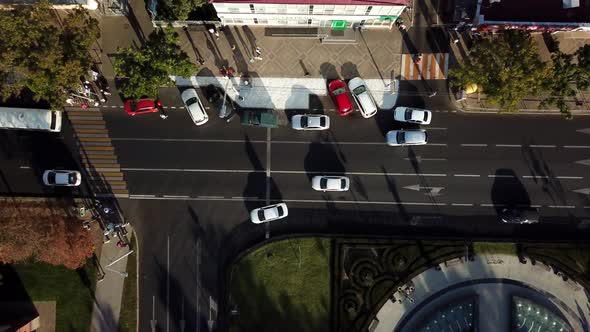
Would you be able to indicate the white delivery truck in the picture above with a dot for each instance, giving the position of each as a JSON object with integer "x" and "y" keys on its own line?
{"x": 29, "y": 118}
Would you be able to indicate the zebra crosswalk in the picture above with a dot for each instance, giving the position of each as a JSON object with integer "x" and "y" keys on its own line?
{"x": 433, "y": 66}
{"x": 97, "y": 153}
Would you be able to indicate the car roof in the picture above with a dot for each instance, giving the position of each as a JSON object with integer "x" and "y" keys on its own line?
{"x": 415, "y": 136}
{"x": 355, "y": 83}
{"x": 189, "y": 93}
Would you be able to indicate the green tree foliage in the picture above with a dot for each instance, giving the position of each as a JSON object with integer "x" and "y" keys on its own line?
{"x": 178, "y": 10}
{"x": 43, "y": 55}
{"x": 566, "y": 77}
{"x": 147, "y": 69}
{"x": 507, "y": 67}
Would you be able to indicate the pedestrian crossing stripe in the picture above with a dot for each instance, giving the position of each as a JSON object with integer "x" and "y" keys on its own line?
{"x": 433, "y": 66}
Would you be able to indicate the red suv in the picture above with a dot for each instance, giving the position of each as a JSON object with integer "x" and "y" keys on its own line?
{"x": 341, "y": 98}
{"x": 141, "y": 106}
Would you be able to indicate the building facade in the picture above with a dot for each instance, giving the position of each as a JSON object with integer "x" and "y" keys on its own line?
{"x": 337, "y": 14}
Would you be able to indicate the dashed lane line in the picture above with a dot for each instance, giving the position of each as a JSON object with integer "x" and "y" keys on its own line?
{"x": 577, "y": 146}
{"x": 474, "y": 145}
{"x": 467, "y": 175}
{"x": 542, "y": 146}
{"x": 508, "y": 145}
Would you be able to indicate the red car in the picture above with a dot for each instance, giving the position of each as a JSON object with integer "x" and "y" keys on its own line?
{"x": 133, "y": 107}
{"x": 341, "y": 98}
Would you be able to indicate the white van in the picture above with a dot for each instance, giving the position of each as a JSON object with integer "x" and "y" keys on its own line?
{"x": 31, "y": 119}
{"x": 194, "y": 106}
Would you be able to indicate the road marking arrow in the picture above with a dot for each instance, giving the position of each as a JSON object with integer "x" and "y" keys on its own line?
{"x": 584, "y": 162}
{"x": 420, "y": 159}
{"x": 584, "y": 131}
{"x": 583, "y": 191}
{"x": 432, "y": 191}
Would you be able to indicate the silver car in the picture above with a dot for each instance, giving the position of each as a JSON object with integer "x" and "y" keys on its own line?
{"x": 412, "y": 115}
{"x": 330, "y": 183}
{"x": 407, "y": 137}
{"x": 62, "y": 178}
{"x": 194, "y": 106}
{"x": 310, "y": 122}
{"x": 269, "y": 213}
{"x": 363, "y": 97}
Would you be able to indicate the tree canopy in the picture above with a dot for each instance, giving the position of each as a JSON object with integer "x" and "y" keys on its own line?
{"x": 43, "y": 232}
{"x": 507, "y": 67}
{"x": 147, "y": 69}
{"x": 43, "y": 55}
{"x": 178, "y": 10}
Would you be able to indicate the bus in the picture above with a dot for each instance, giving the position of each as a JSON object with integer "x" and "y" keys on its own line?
{"x": 30, "y": 119}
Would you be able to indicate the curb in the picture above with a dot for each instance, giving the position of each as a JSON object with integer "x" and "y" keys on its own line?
{"x": 520, "y": 111}
{"x": 136, "y": 279}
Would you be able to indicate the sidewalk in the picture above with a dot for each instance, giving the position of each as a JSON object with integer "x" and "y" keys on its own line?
{"x": 109, "y": 290}
{"x": 434, "y": 288}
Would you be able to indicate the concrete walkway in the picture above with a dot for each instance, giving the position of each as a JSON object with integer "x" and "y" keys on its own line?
{"x": 287, "y": 93}
{"x": 109, "y": 291}
{"x": 486, "y": 278}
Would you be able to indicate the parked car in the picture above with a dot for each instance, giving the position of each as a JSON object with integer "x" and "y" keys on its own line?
{"x": 142, "y": 106}
{"x": 269, "y": 213}
{"x": 310, "y": 122}
{"x": 193, "y": 105}
{"x": 407, "y": 137}
{"x": 363, "y": 97}
{"x": 260, "y": 119}
{"x": 62, "y": 178}
{"x": 330, "y": 183}
{"x": 412, "y": 115}
{"x": 520, "y": 215}
{"x": 341, "y": 98}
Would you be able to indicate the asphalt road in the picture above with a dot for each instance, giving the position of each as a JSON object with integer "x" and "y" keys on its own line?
{"x": 191, "y": 188}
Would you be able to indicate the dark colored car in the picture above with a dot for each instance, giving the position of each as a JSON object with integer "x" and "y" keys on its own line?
{"x": 520, "y": 215}
{"x": 341, "y": 98}
{"x": 141, "y": 106}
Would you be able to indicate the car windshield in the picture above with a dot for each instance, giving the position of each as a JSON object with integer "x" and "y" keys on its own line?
{"x": 338, "y": 91}
{"x": 191, "y": 101}
{"x": 323, "y": 183}
{"x": 133, "y": 106}
{"x": 72, "y": 178}
{"x": 51, "y": 177}
{"x": 304, "y": 121}
{"x": 323, "y": 122}
{"x": 359, "y": 90}
{"x": 425, "y": 116}
{"x": 261, "y": 215}
{"x": 342, "y": 184}
{"x": 401, "y": 138}
{"x": 408, "y": 115}
{"x": 280, "y": 210}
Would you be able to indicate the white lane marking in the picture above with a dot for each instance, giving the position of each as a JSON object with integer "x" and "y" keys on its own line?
{"x": 535, "y": 177}
{"x": 361, "y": 202}
{"x": 210, "y": 197}
{"x": 24, "y": 167}
{"x": 467, "y": 175}
{"x": 562, "y": 206}
{"x": 461, "y": 204}
{"x": 436, "y": 128}
{"x": 194, "y": 140}
{"x": 176, "y": 196}
{"x": 420, "y": 159}
{"x": 145, "y": 196}
{"x": 501, "y": 176}
{"x": 172, "y": 107}
{"x": 333, "y": 143}
{"x": 268, "y": 176}
{"x": 273, "y": 172}
{"x": 577, "y": 146}
{"x": 113, "y": 106}
{"x": 473, "y": 145}
{"x": 508, "y": 145}
{"x": 542, "y": 146}
{"x": 570, "y": 177}
{"x": 493, "y": 205}
{"x": 433, "y": 144}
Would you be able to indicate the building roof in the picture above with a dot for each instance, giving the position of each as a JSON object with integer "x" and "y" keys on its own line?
{"x": 323, "y": 2}
{"x": 538, "y": 11}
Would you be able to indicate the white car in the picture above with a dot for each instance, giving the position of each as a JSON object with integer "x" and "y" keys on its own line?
{"x": 310, "y": 122}
{"x": 269, "y": 213}
{"x": 407, "y": 137}
{"x": 330, "y": 183}
{"x": 62, "y": 178}
{"x": 363, "y": 97}
{"x": 194, "y": 106}
{"x": 412, "y": 115}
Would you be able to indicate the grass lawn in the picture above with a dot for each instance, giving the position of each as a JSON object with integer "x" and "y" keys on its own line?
{"x": 283, "y": 286}
{"x": 71, "y": 289}
{"x": 128, "y": 316}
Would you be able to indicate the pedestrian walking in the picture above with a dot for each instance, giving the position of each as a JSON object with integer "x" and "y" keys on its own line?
{"x": 233, "y": 47}
{"x": 211, "y": 31}
{"x": 258, "y": 51}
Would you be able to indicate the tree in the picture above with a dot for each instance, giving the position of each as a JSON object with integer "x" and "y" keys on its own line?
{"x": 43, "y": 232}
{"x": 178, "y": 10}
{"x": 147, "y": 69}
{"x": 39, "y": 55}
{"x": 566, "y": 77}
{"x": 507, "y": 67}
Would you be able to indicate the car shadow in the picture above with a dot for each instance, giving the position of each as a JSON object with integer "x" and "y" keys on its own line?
{"x": 508, "y": 191}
